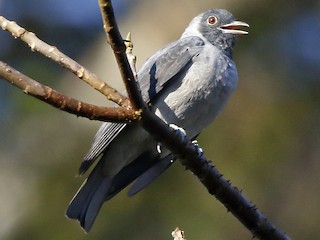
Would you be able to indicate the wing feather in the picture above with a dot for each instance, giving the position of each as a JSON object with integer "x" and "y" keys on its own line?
{"x": 163, "y": 66}
{"x": 157, "y": 72}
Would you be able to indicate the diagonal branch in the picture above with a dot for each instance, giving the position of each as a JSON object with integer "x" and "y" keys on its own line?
{"x": 117, "y": 44}
{"x": 55, "y": 55}
{"x": 188, "y": 153}
{"x": 68, "y": 104}
{"x": 212, "y": 179}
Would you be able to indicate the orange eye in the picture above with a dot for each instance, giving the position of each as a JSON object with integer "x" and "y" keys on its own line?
{"x": 212, "y": 20}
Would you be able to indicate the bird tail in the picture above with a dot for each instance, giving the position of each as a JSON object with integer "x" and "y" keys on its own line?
{"x": 144, "y": 170}
{"x": 98, "y": 188}
{"x": 151, "y": 174}
{"x": 87, "y": 202}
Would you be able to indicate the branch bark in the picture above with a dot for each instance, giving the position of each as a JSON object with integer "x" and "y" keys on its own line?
{"x": 119, "y": 49}
{"x": 68, "y": 104}
{"x": 57, "y": 56}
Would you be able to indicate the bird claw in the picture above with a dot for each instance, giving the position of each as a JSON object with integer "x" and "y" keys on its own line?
{"x": 180, "y": 131}
{"x": 159, "y": 148}
{"x": 199, "y": 149}
{"x": 182, "y": 134}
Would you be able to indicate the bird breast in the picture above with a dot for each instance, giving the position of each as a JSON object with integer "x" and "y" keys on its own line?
{"x": 194, "y": 100}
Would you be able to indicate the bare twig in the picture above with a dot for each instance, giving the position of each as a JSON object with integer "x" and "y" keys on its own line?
{"x": 188, "y": 153}
{"x": 68, "y": 104}
{"x": 57, "y": 56}
{"x": 116, "y": 41}
{"x": 178, "y": 234}
{"x": 130, "y": 56}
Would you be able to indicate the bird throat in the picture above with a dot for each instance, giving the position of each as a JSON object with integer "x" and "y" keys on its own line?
{"x": 225, "y": 45}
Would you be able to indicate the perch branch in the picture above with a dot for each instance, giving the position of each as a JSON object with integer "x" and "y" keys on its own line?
{"x": 68, "y": 104}
{"x": 188, "y": 153}
{"x": 54, "y": 54}
{"x": 118, "y": 46}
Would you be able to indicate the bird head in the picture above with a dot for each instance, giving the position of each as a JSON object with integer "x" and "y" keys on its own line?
{"x": 217, "y": 26}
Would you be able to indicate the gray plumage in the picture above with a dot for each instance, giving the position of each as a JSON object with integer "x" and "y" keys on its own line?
{"x": 186, "y": 83}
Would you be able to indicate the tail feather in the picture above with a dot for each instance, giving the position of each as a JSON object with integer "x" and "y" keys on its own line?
{"x": 130, "y": 172}
{"x": 87, "y": 202}
{"x": 151, "y": 174}
{"x": 89, "y": 214}
{"x": 98, "y": 188}
{"x": 77, "y": 202}
{"x": 82, "y": 197}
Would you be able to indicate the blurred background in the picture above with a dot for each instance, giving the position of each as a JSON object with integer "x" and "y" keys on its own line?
{"x": 266, "y": 141}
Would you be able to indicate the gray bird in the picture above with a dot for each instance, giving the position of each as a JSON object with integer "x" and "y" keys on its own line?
{"x": 186, "y": 83}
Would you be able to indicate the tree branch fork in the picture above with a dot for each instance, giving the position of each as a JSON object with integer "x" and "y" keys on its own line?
{"x": 132, "y": 109}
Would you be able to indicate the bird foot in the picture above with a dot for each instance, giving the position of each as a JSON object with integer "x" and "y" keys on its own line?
{"x": 180, "y": 132}
{"x": 199, "y": 149}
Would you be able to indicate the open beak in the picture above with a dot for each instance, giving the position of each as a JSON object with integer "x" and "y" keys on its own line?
{"x": 233, "y": 28}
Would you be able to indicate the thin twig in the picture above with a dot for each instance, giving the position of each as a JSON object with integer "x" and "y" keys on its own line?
{"x": 178, "y": 234}
{"x": 130, "y": 56}
{"x": 68, "y": 104}
{"x": 54, "y": 54}
{"x": 187, "y": 152}
{"x": 117, "y": 44}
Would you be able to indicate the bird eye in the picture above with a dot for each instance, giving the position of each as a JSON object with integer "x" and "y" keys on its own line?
{"x": 212, "y": 20}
